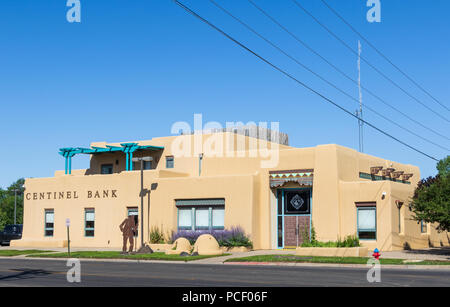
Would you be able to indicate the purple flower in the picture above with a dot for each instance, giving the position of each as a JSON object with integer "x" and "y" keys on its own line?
{"x": 232, "y": 237}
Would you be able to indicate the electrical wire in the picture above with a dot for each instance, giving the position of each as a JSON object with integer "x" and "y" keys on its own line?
{"x": 370, "y": 92}
{"x": 193, "y": 13}
{"x": 319, "y": 76}
{"x": 383, "y": 55}
{"x": 368, "y": 63}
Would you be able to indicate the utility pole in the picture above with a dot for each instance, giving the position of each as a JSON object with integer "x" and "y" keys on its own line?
{"x": 359, "y": 112}
{"x": 15, "y": 205}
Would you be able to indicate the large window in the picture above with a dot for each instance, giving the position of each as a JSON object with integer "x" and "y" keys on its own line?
{"x": 106, "y": 169}
{"x": 185, "y": 218}
{"x": 202, "y": 218}
{"x": 89, "y": 222}
{"x": 202, "y": 214}
{"x": 218, "y": 218}
{"x": 367, "y": 223}
{"x": 49, "y": 222}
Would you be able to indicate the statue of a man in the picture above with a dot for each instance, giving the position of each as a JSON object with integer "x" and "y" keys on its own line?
{"x": 128, "y": 228}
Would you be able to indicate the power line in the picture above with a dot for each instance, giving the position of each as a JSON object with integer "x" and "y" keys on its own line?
{"x": 384, "y": 56}
{"x": 304, "y": 44}
{"x": 367, "y": 62}
{"x": 317, "y": 75}
{"x": 187, "y": 9}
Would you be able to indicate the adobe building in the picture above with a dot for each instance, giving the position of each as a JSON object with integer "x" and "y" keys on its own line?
{"x": 219, "y": 180}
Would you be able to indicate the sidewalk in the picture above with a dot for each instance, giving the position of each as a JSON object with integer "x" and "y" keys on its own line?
{"x": 220, "y": 260}
{"x": 442, "y": 254}
{"x": 437, "y": 253}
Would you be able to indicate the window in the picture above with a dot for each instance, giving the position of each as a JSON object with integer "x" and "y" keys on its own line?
{"x": 367, "y": 223}
{"x": 218, "y": 218}
{"x": 169, "y": 162}
{"x": 49, "y": 222}
{"x": 423, "y": 227}
{"x": 399, "y": 205}
{"x": 106, "y": 169}
{"x": 185, "y": 218}
{"x": 89, "y": 222}
{"x": 134, "y": 211}
{"x": 279, "y": 218}
{"x": 147, "y": 164}
{"x": 297, "y": 202}
{"x": 201, "y": 218}
{"x": 202, "y": 214}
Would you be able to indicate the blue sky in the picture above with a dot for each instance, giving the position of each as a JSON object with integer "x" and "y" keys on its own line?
{"x": 132, "y": 68}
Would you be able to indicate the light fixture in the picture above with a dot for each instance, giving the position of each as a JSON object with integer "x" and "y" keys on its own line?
{"x": 397, "y": 174}
{"x": 139, "y": 159}
{"x": 375, "y": 170}
{"x": 387, "y": 172}
{"x": 407, "y": 176}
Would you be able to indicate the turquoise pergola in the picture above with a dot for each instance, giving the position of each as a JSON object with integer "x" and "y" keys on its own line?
{"x": 127, "y": 148}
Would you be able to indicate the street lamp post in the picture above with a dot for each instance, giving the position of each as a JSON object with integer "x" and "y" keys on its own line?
{"x": 15, "y": 205}
{"x": 142, "y": 193}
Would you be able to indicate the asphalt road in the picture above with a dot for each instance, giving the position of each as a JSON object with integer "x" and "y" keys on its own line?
{"x": 28, "y": 272}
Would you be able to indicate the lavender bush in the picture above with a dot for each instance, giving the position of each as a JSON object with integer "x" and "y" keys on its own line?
{"x": 232, "y": 237}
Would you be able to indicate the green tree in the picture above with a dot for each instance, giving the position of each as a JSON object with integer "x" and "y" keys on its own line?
{"x": 431, "y": 201}
{"x": 443, "y": 166}
{"x": 7, "y": 204}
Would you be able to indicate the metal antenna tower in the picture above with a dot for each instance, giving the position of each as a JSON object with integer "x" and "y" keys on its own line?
{"x": 359, "y": 112}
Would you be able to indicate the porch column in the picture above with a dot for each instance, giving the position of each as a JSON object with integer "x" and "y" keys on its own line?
{"x": 65, "y": 164}
{"x": 131, "y": 161}
{"x": 127, "y": 161}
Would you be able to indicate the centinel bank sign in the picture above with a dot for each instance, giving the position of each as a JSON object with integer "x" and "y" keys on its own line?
{"x": 71, "y": 195}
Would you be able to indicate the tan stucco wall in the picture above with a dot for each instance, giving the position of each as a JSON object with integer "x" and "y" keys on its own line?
{"x": 241, "y": 181}
{"x": 110, "y": 212}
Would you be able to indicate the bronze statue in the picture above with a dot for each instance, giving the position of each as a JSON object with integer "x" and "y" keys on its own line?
{"x": 128, "y": 229}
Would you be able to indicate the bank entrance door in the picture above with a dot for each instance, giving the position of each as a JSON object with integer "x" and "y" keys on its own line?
{"x": 293, "y": 217}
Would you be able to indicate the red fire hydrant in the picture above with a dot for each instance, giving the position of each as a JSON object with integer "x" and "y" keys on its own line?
{"x": 376, "y": 254}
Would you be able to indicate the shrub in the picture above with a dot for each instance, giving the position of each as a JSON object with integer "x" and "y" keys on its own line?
{"x": 307, "y": 240}
{"x": 349, "y": 241}
{"x": 169, "y": 237}
{"x": 313, "y": 233}
{"x": 305, "y": 235}
{"x": 156, "y": 235}
{"x": 232, "y": 237}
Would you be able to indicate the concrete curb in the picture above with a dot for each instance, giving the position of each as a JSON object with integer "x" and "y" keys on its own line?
{"x": 342, "y": 265}
{"x": 288, "y": 264}
{"x": 99, "y": 260}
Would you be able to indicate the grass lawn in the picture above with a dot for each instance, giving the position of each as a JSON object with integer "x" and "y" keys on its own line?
{"x": 13, "y": 252}
{"x": 117, "y": 255}
{"x": 343, "y": 260}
